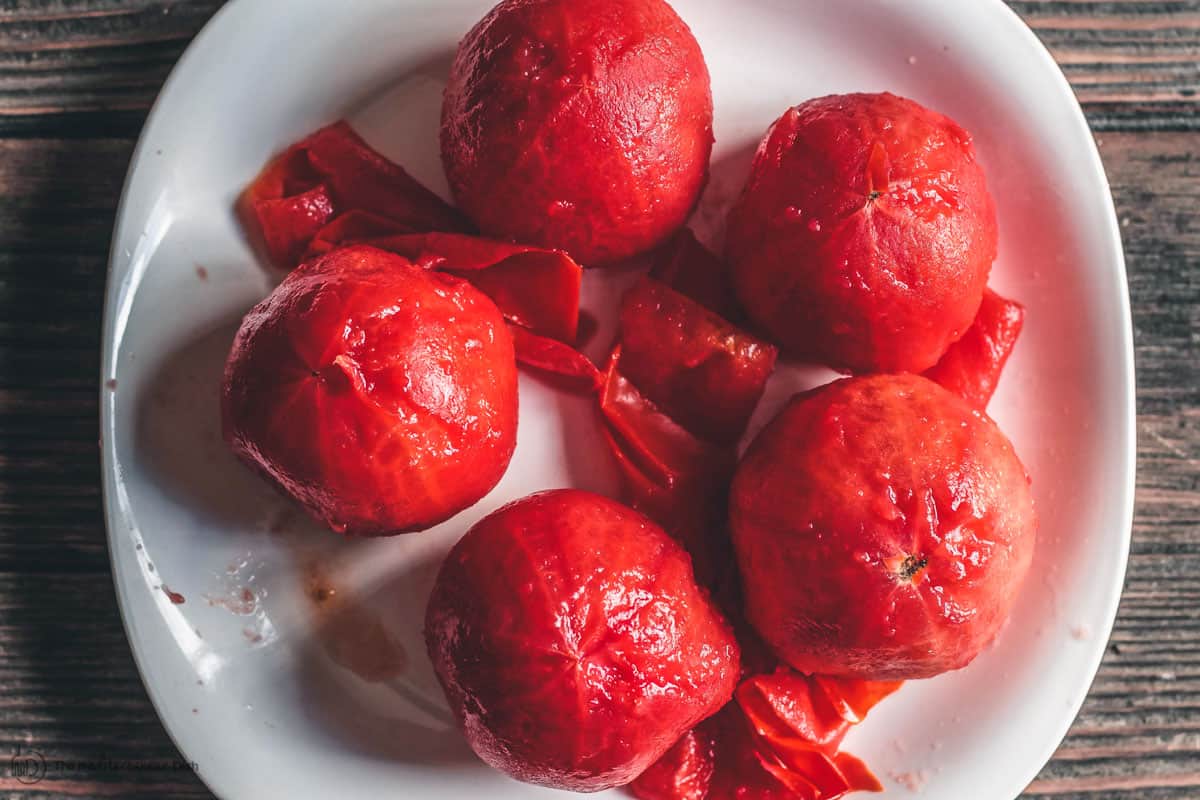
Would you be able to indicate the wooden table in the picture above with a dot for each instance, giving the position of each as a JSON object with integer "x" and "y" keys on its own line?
{"x": 76, "y": 79}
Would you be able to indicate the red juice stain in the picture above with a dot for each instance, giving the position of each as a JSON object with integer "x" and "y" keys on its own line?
{"x": 240, "y": 601}
{"x": 175, "y": 597}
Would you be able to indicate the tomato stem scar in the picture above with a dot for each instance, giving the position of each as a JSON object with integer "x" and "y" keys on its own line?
{"x": 912, "y": 568}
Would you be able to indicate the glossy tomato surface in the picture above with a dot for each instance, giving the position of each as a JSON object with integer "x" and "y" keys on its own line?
{"x": 380, "y": 395}
{"x": 883, "y": 528}
{"x": 865, "y": 234}
{"x": 573, "y": 642}
{"x": 584, "y": 125}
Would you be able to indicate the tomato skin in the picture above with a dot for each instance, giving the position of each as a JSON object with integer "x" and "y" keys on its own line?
{"x": 685, "y": 772}
{"x": 332, "y": 183}
{"x": 705, "y": 372}
{"x": 573, "y": 642}
{"x": 582, "y": 125}
{"x": 883, "y": 528}
{"x": 865, "y": 234}
{"x": 971, "y": 367}
{"x": 381, "y": 396}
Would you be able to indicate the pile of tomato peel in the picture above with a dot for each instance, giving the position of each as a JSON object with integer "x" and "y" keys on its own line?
{"x": 332, "y": 189}
{"x": 674, "y": 399}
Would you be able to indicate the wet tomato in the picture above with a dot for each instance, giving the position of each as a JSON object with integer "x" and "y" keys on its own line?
{"x": 380, "y": 395}
{"x": 865, "y": 234}
{"x": 573, "y": 642}
{"x": 583, "y": 125}
{"x": 882, "y": 528}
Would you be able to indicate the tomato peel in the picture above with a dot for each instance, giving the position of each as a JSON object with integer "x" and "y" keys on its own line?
{"x": 703, "y": 371}
{"x": 679, "y": 388}
{"x": 576, "y": 371}
{"x": 853, "y": 698}
{"x": 533, "y": 287}
{"x": 778, "y": 738}
{"x": 289, "y": 223}
{"x": 690, "y": 268}
{"x": 359, "y": 177}
{"x": 669, "y": 453}
{"x": 971, "y": 367}
{"x": 856, "y": 773}
{"x": 353, "y": 227}
{"x": 330, "y": 173}
{"x": 685, "y": 772}
{"x": 675, "y": 477}
{"x": 808, "y": 773}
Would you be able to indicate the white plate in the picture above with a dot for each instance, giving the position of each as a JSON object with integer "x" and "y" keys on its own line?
{"x": 264, "y": 701}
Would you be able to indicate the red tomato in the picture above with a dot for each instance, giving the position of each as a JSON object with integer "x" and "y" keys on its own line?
{"x": 865, "y": 234}
{"x": 382, "y": 396}
{"x": 573, "y": 642}
{"x": 584, "y": 125}
{"x": 883, "y": 528}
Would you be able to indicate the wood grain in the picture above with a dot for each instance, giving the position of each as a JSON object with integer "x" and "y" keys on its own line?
{"x": 76, "y": 79}
{"x": 1135, "y": 65}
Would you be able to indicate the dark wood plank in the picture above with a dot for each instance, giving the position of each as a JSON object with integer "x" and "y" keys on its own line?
{"x": 69, "y": 691}
{"x": 1134, "y": 64}
{"x": 67, "y": 65}
{"x": 76, "y": 78}
{"x": 1138, "y": 735}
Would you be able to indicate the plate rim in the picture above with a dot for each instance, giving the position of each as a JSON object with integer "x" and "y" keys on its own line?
{"x": 116, "y": 293}
{"x": 1128, "y": 374}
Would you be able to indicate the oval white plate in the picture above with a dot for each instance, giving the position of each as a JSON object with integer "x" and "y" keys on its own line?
{"x": 266, "y": 691}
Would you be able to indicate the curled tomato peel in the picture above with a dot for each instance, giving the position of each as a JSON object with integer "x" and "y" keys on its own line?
{"x": 690, "y": 268}
{"x": 853, "y": 698}
{"x": 329, "y": 174}
{"x": 359, "y": 177}
{"x": 353, "y": 227}
{"x": 784, "y": 705}
{"x": 676, "y": 478}
{"x": 971, "y": 367}
{"x": 807, "y": 773}
{"x": 678, "y": 391}
{"x": 703, "y": 371}
{"x": 288, "y": 224}
{"x": 575, "y": 371}
{"x": 856, "y": 774}
{"x": 534, "y": 288}
{"x": 670, "y": 455}
{"x": 779, "y": 739}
